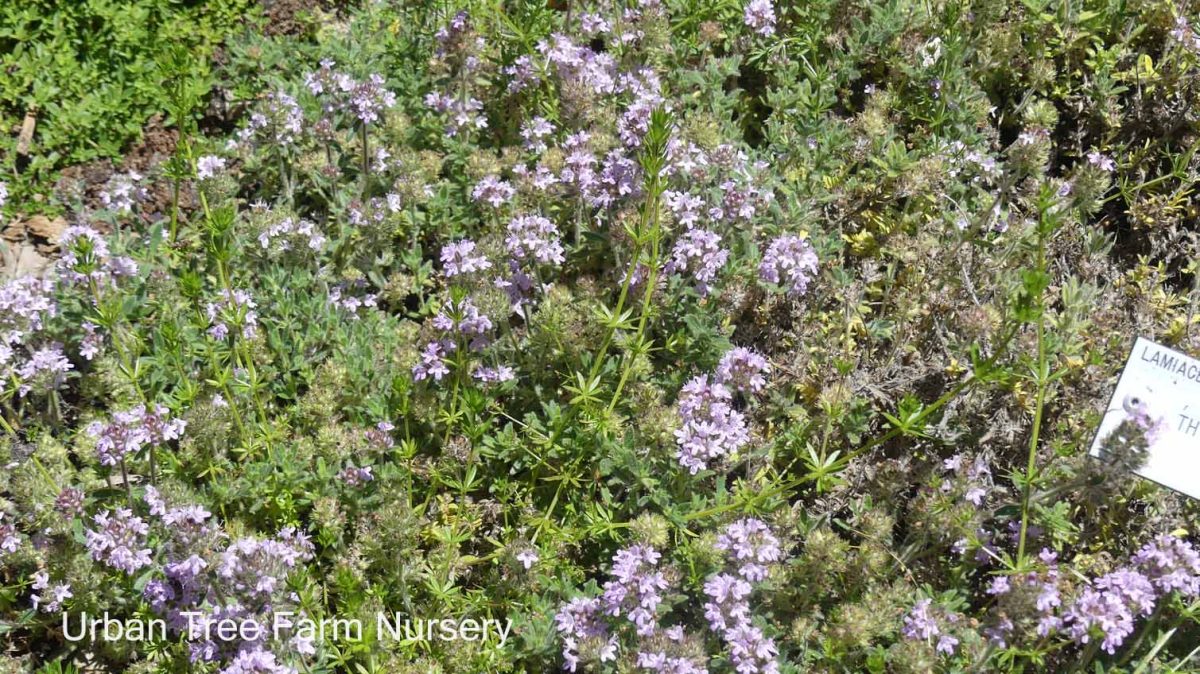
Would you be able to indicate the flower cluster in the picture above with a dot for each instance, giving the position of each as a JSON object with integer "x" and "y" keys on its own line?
{"x": 759, "y": 16}
{"x": 711, "y": 428}
{"x": 493, "y": 191}
{"x": 130, "y": 431}
{"x": 743, "y": 370}
{"x": 342, "y": 299}
{"x": 51, "y": 600}
{"x": 698, "y": 252}
{"x": 232, "y": 309}
{"x": 279, "y": 122}
{"x": 751, "y": 546}
{"x": 10, "y": 539}
{"x": 926, "y": 621}
{"x": 26, "y": 306}
{"x": 977, "y": 478}
{"x": 789, "y": 261}
{"x": 636, "y": 588}
{"x": 583, "y": 629}
{"x": 460, "y": 258}
{"x": 459, "y": 324}
{"x": 365, "y": 99}
{"x": 86, "y": 259}
{"x": 290, "y": 234}
{"x": 209, "y": 166}
{"x": 123, "y": 192}
{"x": 119, "y": 539}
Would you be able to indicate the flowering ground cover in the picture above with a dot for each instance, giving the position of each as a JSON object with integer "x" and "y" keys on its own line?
{"x": 665, "y": 336}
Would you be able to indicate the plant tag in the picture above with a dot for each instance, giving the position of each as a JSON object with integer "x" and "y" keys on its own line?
{"x": 1163, "y": 386}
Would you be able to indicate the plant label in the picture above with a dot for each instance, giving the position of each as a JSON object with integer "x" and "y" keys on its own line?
{"x": 1160, "y": 388}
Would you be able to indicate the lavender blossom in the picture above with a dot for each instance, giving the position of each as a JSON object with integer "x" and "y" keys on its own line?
{"x": 534, "y": 132}
{"x": 492, "y": 190}
{"x": 10, "y": 539}
{"x": 636, "y": 588}
{"x": 743, "y": 370}
{"x": 533, "y": 238}
{"x": 750, "y": 651}
{"x": 698, "y": 251}
{"x": 750, "y": 544}
{"x": 123, "y": 192}
{"x": 711, "y": 428}
{"x": 759, "y": 16}
{"x": 728, "y": 602}
{"x": 459, "y": 258}
{"x": 580, "y": 624}
{"x": 86, "y": 258}
{"x": 340, "y": 298}
{"x": 789, "y": 261}
{"x": 291, "y": 234}
{"x": 234, "y": 308}
{"x": 118, "y": 540}
{"x": 51, "y": 601}
{"x": 209, "y": 166}
{"x": 1172, "y": 565}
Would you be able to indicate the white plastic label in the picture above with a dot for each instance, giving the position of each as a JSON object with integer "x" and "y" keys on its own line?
{"x": 1164, "y": 384}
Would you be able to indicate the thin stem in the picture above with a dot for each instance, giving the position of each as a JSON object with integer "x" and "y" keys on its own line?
{"x": 366, "y": 166}
{"x": 647, "y": 293}
{"x": 1042, "y": 384}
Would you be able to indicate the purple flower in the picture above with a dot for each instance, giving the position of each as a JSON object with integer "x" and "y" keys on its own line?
{"x": 711, "y": 429}
{"x": 10, "y": 540}
{"x": 459, "y": 258}
{"x": 580, "y": 621}
{"x": 698, "y": 251}
{"x": 291, "y": 234}
{"x": 528, "y": 558}
{"x": 636, "y": 587}
{"x": 1101, "y": 161}
{"x": 52, "y": 601}
{"x": 45, "y": 370}
{"x": 534, "y": 132}
{"x": 209, "y": 166}
{"x": 26, "y": 304}
{"x": 355, "y": 476}
{"x": 340, "y": 298}
{"x": 919, "y": 624}
{"x": 1172, "y": 565}
{"x": 432, "y": 364}
{"x": 91, "y": 342}
{"x": 728, "y": 604}
{"x": 1107, "y": 608}
{"x": 118, "y": 540}
{"x": 493, "y": 190}
{"x": 123, "y": 192}
{"x": 522, "y": 73}
{"x": 462, "y": 112}
{"x": 750, "y": 651}
{"x": 279, "y": 121}
{"x": 789, "y": 261}
{"x": 69, "y": 502}
{"x": 750, "y": 544}
{"x": 494, "y": 375}
{"x": 129, "y": 431}
{"x": 533, "y": 238}
{"x": 232, "y": 308}
{"x": 86, "y": 257}
{"x": 759, "y": 16}
{"x": 743, "y": 370}
{"x": 368, "y": 99}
